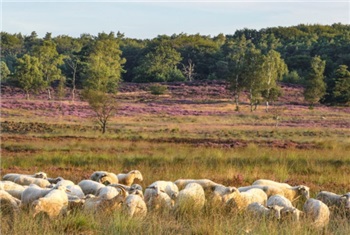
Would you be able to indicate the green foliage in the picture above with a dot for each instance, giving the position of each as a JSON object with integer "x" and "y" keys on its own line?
{"x": 158, "y": 89}
{"x": 315, "y": 86}
{"x": 292, "y": 77}
{"x": 5, "y": 72}
{"x": 29, "y": 75}
{"x": 341, "y": 90}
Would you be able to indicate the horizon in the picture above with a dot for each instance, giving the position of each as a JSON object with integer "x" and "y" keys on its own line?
{"x": 149, "y": 19}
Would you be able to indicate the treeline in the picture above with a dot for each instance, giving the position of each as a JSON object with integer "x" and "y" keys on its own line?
{"x": 316, "y": 56}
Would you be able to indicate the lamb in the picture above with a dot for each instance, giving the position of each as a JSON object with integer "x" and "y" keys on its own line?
{"x": 260, "y": 211}
{"x": 335, "y": 202}
{"x": 191, "y": 198}
{"x": 90, "y": 186}
{"x": 53, "y": 204}
{"x": 128, "y": 178}
{"x": 317, "y": 211}
{"x": 240, "y": 201}
{"x": 13, "y": 176}
{"x": 27, "y": 180}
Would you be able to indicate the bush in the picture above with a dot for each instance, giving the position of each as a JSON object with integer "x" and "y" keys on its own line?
{"x": 158, "y": 89}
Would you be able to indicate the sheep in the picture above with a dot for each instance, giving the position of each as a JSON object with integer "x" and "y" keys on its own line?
{"x": 107, "y": 192}
{"x": 90, "y": 186}
{"x": 335, "y": 202}
{"x": 128, "y": 178}
{"x": 135, "y": 206}
{"x": 13, "y": 176}
{"x": 98, "y": 204}
{"x": 279, "y": 200}
{"x": 74, "y": 191}
{"x": 265, "y": 182}
{"x": 32, "y": 193}
{"x": 104, "y": 177}
{"x": 191, "y": 198}
{"x": 260, "y": 211}
{"x": 317, "y": 211}
{"x": 205, "y": 183}
{"x": 53, "y": 204}
{"x": 269, "y": 190}
{"x": 12, "y": 188}
{"x": 27, "y": 180}
{"x": 9, "y": 207}
{"x": 168, "y": 187}
{"x": 240, "y": 200}
{"x": 291, "y": 213}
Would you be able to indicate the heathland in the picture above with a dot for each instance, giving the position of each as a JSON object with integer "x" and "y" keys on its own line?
{"x": 191, "y": 131}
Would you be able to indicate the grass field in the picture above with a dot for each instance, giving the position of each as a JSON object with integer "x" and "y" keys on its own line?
{"x": 176, "y": 136}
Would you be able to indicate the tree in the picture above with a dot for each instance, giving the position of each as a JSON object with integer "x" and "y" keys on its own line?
{"x": 159, "y": 65}
{"x": 29, "y": 74}
{"x": 315, "y": 87}
{"x": 103, "y": 104}
{"x": 341, "y": 91}
{"x": 188, "y": 70}
{"x": 50, "y": 61}
{"x": 104, "y": 66}
{"x": 274, "y": 69}
{"x": 5, "y": 72}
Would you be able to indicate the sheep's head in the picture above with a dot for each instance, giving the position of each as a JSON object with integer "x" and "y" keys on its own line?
{"x": 291, "y": 213}
{"x": 137, "y": 174}
{"x": 37, "y": 207}
{"x": 304, "y": 191}
{"x": 275, "y": 211}
{"x": 41, "y": 175}
{"x": 135, "y": 187}
{"x": 345, "y": 199}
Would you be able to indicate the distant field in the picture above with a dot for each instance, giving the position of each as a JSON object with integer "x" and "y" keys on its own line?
{"x": 191, "y": 132}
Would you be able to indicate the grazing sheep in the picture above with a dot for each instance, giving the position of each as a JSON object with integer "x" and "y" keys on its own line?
{"x": 32, "y": 193}
{"x": 128, "y": 178}
{"x": 130, "y": 189}
{"x": 335, "y": 202}
{"x": 317, "y": 211}
{"x": 269, "y": 190}
{"x": 107, "y": 192}
{"x": 90, "y": 186}
{"x": 191, "y": 198}
{"x": 53, "y": 204}
{"x": 104, "y": 177}
{"x": 9, "y": 207}
{"x": 167, "y": 187}
{"x": 65, "y": 183}
{"x": 240, "y": 200}
{"x": 279, "y": 200}
{"x": 13, "y": 176}
{"x": 74, "y": 191}
{"x": 205, "y": 183}
{"x": 135, "y": 206}
{"x": 291, "y": 213}
{"x": 260, "y": 211}
{"x": 265, "y": 182}
{"x": 27, "y": 180}
{"x": 12, "y": 188}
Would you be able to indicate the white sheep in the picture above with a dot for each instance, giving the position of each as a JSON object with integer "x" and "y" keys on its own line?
{"x": 32, "y": 193}
{"x": 9, "y": 207}
{"x": 168, "y": 187}
{"x": 191, "y": 198}
{"x": 135, "y": 206}
{"x": 265, "y": 182}
{"x": 104, "y": 177}
{"x": 13, "y": 176}
{"x": 12, "y": 188}
{"x": 260, "y": 211}
{"x": 317, "y": 211}
{"x": 90, "y": 186}
{"x": 279, "y": 200}
{"x": 53, "y": 204}
{"x": 240, "y": 200}
{"x": 107, "y": 192}
{"x": 205, "y": 183}
{"x": 291, "y": 213}
{"x": 27, "y": 180}
{"x": 335, "y": 202}
{"x": 269, "y": 190}
{"x": 128, "y": 178}
{"x": 74, "y": 191}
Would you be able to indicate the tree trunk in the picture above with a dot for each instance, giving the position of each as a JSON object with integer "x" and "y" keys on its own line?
{"x": 27, "y": 95}
{"x": 49, "y": 93}
{"x": 267, "y": 106}
{"x": 104, "y": 126}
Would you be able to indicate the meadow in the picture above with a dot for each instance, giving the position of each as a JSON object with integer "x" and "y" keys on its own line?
{"x": 191, "y": 132}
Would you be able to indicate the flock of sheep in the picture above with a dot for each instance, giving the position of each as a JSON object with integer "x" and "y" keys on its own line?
{"x": 107, "y": 192}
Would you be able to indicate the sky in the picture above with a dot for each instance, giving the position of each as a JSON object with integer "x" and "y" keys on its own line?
{"x": 147, "y": 19}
